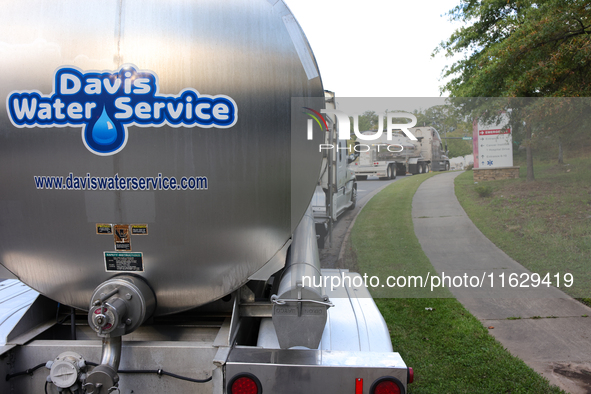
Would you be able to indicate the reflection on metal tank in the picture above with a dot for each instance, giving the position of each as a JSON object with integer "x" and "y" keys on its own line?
{"x": 195, "y": 91}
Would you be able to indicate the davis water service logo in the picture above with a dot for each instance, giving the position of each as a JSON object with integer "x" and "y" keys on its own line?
{"x": 106, "y": 103}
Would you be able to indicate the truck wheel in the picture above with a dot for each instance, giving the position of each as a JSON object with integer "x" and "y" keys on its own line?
{"x": 419, "y": 168}
{"x": 447, "y": 166}
{"x": 321, "y": 242}
{"x": 321, "y": 235}
{"x": 361, "y": 177}
{"x": 353, "y": 198}
{"x": 427, "y": 168}
{"x": 392, "y": 171}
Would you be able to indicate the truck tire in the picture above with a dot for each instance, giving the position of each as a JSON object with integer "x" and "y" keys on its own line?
{"x": 392, "y": 171}
{"x": 401, "y": 170}
{"x": 353, "y": 197}
{"x": 447, "y": 166}
{"x": 360, "y": 177}
{"x": 320, "y": 242}
{"x": 427, "y": 168}
{"x": 420, "y": 168}
{"x": 321, "y": 235}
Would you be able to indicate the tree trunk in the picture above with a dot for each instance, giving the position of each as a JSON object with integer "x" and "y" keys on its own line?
{"x": 529, "y": 155}
{"x": 560, "y": 151}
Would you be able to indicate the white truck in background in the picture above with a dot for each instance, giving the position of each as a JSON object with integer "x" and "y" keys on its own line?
{"x": 336, "y": 190}
{"x": 400, "y": 155}
{"x": 431, "y": 148}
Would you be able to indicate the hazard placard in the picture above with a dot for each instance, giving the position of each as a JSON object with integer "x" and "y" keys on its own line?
{"x": 122, "y": 237}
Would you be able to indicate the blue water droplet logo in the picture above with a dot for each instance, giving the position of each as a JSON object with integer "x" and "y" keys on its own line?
{"x": 104, "y": 131}
{"x": 104, "y": 136}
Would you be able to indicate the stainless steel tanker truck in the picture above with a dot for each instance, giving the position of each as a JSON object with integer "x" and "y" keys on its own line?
{"x": 155, "y": 196}
{"x": 399, "y": 155}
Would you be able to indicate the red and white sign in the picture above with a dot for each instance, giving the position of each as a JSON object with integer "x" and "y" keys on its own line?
{"x": 493, "y": 144}
{"x": 494, "y": 132}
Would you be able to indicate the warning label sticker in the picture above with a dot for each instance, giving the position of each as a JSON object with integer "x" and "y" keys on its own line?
{"x": 104, "y": 229}
{"x": 139, "y": 229}
{"x": 124, "y": 262}
{"x": 122, "y": 237}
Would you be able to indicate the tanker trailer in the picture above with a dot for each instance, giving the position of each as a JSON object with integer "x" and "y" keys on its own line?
{"x": 156, "y": 179}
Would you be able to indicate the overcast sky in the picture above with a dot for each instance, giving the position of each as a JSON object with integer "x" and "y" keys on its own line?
{"x": 377, "y": 48}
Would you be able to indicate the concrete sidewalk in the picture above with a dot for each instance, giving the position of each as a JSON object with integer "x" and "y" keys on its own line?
{"x": 556, "y": 343}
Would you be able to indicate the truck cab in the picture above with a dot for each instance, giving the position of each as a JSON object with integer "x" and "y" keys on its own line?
{"x": 431, "y": 147}
{"x": 336, "y": 190}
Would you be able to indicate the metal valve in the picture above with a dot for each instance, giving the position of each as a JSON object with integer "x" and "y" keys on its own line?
{"x": 119, "y": 305}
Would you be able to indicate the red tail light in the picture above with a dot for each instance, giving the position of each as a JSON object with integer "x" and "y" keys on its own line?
{"x": 387, "y": 385}
{"x": 411, "y": 376}
{"x": 245, "y": 384}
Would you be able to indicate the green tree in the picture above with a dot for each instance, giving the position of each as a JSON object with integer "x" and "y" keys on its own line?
{"x": 520, "y": 48}
{"x": 458, "y": 147}
{"x": 367, "y": 121}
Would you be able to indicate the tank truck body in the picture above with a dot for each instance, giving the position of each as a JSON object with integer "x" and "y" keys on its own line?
{"x": 386, "y": 158}
{"x": 155, "y": 207}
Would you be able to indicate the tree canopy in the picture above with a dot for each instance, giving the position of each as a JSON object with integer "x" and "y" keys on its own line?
{"x": 520, "y": 48}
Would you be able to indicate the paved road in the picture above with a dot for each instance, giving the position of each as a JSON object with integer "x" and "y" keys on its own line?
{"x": 559, "y": 347}
{"x": 330, "y": 255}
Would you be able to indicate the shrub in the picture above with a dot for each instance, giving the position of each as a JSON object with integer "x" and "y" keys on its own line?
{"x": 483, "y": 190}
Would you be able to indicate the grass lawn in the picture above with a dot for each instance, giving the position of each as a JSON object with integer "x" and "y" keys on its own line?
{"x": 544, "y": 225}
{"x": 448, "y": 348}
